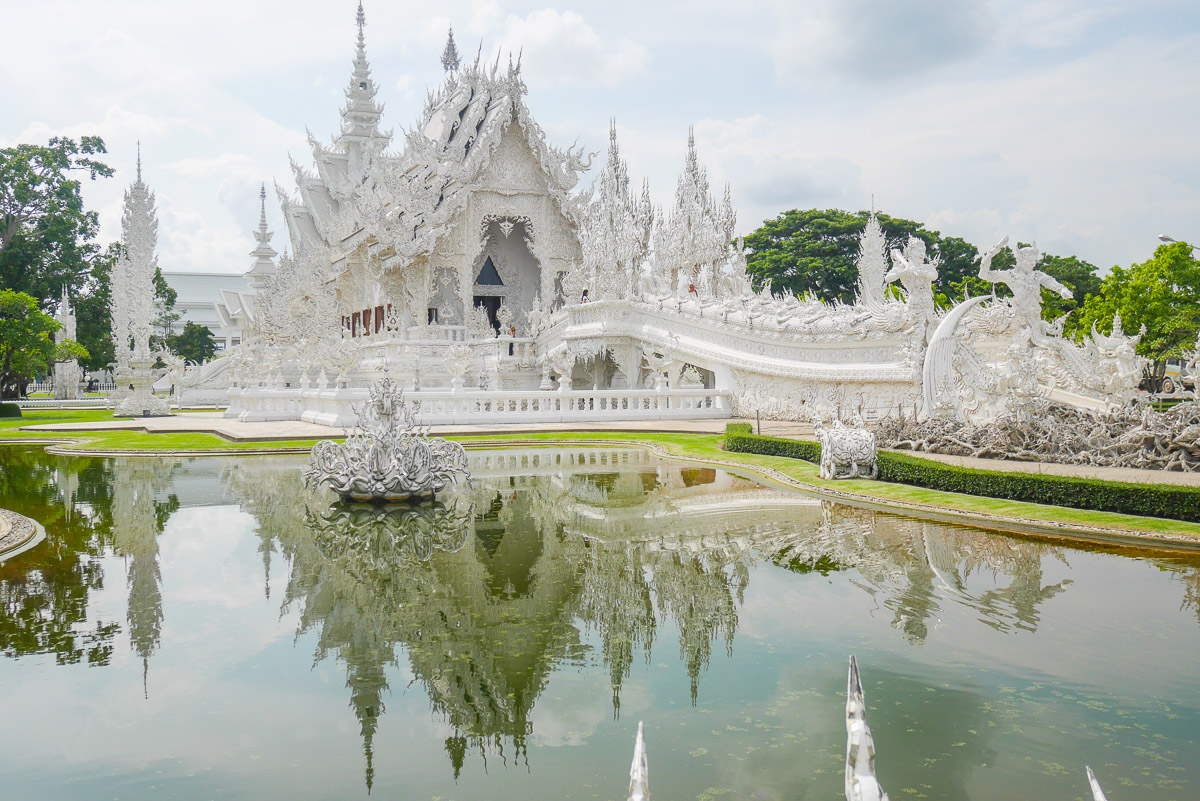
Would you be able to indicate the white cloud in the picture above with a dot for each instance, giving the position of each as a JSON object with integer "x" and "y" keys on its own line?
{"x": 560, "y": 47}
{"x": 1065, "y": 120}
{"x": 871, "y": 40}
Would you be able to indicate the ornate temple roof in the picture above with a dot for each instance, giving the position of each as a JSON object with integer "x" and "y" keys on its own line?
{"x": 408, "y": 201}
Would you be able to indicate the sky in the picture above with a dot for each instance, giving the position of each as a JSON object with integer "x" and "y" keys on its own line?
{"x": 1072, "y": 123}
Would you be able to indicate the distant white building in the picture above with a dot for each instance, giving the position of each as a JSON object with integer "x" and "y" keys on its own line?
{"x": 200, "y": 298}
{"x": 225, "y": 301}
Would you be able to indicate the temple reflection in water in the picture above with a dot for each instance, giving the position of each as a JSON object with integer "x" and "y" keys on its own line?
{"x": 489, "y": 591}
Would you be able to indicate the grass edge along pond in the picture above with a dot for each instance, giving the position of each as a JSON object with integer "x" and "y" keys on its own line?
{"x": 779, "y": 470}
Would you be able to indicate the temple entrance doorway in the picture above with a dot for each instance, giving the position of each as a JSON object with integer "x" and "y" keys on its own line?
{"x": 506, "y": 272}
{"x": 490, "y": 304}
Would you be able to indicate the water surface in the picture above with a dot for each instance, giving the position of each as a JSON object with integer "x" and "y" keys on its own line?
{"x": 206, "y": 628}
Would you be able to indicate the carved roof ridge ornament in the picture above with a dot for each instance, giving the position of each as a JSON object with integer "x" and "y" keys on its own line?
{"x": 450, "y": 58}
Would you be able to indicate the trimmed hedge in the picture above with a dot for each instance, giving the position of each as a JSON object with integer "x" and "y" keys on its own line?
{"x": 1171, "y": 501}
{"x": 738, "y": 428}
{"x": 10, "y": 410}
{"x": 1148, "y": 500}
{"x": 773, "y": 446}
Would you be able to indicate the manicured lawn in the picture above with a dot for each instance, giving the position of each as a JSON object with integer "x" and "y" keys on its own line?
{"x": 33, "y": 417}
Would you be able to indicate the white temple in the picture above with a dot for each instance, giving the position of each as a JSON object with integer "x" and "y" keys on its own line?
{"x": 464, "y": 261}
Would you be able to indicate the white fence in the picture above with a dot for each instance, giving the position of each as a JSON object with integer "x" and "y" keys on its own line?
{"x": 53, "y": 403}
{"x": 47, "y": 387}
{"x": 334, "y": 407}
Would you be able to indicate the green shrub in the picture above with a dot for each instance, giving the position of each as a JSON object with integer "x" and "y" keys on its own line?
{"x": 773, "y": 446}
{"x": 738, "y": 428}
{"x": 1149, "y": 500}
{"x": 10, "y": 410}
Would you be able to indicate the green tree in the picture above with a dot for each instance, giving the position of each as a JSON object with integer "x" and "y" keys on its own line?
{"x": 45, "y": 232}
{"x": 195, "y": 344}
{"x": 814, "y": 252}
{"x": 1162, "y": 294}
{"x": 93, "y": 323}
{"x": 1076, "y": 275}
{"x": 27, "y": 347}
{"x": 164, "y": 309}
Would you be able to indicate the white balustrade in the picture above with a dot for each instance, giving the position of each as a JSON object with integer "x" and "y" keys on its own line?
{"x": 334, "y": 407}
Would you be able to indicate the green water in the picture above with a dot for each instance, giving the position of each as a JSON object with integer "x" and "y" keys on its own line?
{"x": 205, "y": 628}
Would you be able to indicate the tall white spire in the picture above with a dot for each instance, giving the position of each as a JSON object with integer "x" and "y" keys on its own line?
{"x": 361, "y": 114}
{"x": 132, "y": 300}
{"x": 264, "y": 255}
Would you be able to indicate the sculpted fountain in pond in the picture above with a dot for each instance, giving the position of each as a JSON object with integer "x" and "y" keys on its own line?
{"x": 387, "y": 458}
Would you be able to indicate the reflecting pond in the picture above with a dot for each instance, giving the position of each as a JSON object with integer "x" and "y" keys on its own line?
{"x": 204, "y": 628}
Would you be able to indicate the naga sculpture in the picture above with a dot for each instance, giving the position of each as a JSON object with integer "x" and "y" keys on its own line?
{"x": 387, "y": 458}
{"x": 846, "y": 452}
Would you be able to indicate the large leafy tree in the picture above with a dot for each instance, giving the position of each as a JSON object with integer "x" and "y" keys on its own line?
{"x": 814, "y": 251}
{"x": 1162, "y": 294}
{"x": 195, "y": 344}
{"x": 27, "y": 347}
{"x": 165, "y": 316}
{"x": 46, "y": 234}
{"x": 93, "y": 323}
{"x": 1076, "y": 275}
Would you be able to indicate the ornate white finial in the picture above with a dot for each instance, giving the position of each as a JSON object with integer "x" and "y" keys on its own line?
{"x": 860, "y": 746}
{"x": 139, "y": 161}
{"x": 361, "y": 18}
{"x": 639, "y": 773}
{"x": 264, "y": 255}
{"x": 450, "y": 57}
